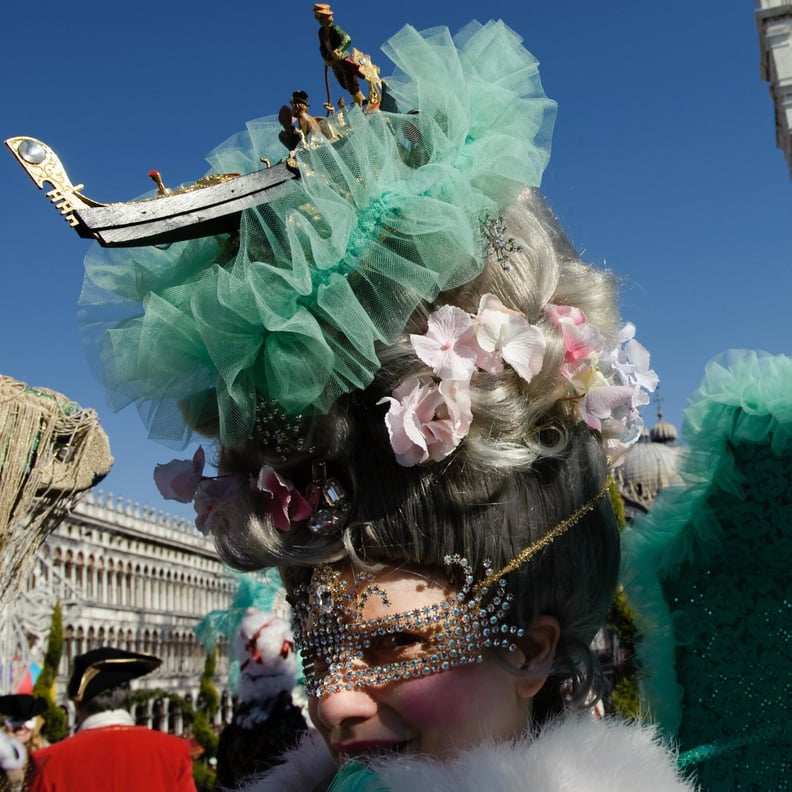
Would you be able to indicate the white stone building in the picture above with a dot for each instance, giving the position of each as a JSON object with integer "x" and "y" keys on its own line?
{"x": 774, "y": 23}
{"x": 129, "y": 577}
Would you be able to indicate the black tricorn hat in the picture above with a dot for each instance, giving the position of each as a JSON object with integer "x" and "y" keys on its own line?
{"x": 105, "y": 668}
{"x": 21, "y": 707}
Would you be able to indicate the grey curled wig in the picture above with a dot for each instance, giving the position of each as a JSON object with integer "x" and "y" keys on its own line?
{"x": 527, "y": 464}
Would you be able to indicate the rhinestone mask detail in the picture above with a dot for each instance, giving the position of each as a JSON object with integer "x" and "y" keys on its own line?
{"x": 342, "y": 650}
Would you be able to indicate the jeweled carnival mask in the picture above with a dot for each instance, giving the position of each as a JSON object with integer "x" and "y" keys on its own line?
{"x": 344, "y": 650}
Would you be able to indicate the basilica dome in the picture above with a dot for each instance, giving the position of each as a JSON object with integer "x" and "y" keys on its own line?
{"x": 650, "y": 466}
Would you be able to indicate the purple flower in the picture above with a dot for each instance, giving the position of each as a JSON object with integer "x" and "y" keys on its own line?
{"x": 211, "y": 493}
{"x": 285, "y": 504}
{"x": 179, "y": 479}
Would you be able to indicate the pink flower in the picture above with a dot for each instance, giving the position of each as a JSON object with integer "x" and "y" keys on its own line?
{"x": 565, "y": 313}
{"x": 449, "y": 344}
{"x": 507, "y": 333}
{"x": 581, "y": 340}
{"x": 285, "y": 504}
{"x": 454, "y": 417}
{"x": 412, "y": 405}
{"x": 211, "y": 493}
{"x": 179, "y": 479}
{"x": 426, "y": 421}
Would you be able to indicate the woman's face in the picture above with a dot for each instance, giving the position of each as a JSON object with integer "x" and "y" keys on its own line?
{"x": 23, "y": 731}
{"x": 438, "y": 714}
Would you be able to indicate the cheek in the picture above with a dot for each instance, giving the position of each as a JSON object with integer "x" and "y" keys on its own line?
{"x": 438, "y": 699}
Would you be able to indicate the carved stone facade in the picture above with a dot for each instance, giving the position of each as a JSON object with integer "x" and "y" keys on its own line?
{"x": 132, "y": 578}
{"x": 774, "y": 23}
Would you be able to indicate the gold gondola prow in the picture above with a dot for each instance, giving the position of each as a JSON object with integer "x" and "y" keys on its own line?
{"x": 45, "y": 168}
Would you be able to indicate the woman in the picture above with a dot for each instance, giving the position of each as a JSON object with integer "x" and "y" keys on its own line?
{"x": 416, "y": 388}
{"x": 22, "y": 727}
{"x": 516, "y": 519}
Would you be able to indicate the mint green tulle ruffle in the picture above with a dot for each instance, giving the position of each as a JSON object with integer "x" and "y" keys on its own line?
{"x": 379, "y": 221}
{"x": 706, "y": 573}
{"x": 355, "y": 777}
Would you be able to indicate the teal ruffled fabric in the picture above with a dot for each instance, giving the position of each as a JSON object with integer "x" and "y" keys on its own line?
{"x": 380, "y": 220}
{"x": 706, "y": 572}
{"x": 355, "y": 777}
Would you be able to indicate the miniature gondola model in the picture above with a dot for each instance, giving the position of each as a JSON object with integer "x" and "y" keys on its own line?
{"x": 212, "y": 205}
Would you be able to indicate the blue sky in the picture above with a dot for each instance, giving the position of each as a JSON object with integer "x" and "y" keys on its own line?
{"x": 664, "y": 163}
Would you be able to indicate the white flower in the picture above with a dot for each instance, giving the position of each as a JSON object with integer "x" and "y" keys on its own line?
{"x": 509, "y": 335}
{"x": 449, "y": 344}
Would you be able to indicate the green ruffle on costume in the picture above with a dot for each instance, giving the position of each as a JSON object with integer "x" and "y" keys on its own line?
{"x": 707, "y": 572}
{"x": 380, "y": 220}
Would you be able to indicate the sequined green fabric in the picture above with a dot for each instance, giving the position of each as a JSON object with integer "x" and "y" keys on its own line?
{"x": 708, "y": 573}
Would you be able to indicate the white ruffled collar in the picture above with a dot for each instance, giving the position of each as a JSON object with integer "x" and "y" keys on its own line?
{"x": 110, "y": 718}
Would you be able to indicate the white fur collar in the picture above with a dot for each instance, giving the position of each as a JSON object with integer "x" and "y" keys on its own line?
{"x": 567, "y": 756}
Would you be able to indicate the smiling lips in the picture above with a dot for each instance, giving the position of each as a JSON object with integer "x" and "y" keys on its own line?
{"x": 360, "y": 747}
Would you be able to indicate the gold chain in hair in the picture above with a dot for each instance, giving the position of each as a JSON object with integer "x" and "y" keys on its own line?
{"x": 540, "y": 544}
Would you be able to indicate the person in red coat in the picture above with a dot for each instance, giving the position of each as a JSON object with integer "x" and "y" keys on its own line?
{"x": 108, "y": 751}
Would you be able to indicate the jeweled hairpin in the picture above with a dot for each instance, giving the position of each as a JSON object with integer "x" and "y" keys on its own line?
{"x": 328, "y": 499}
{"x": 272, "y": 428}
{"x": 496, "y": 242}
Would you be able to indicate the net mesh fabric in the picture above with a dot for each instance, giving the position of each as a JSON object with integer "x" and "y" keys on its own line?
{"x": 708, "y": 573}
{"x": 51, "y": 449}
{"x": 382, "y": 218}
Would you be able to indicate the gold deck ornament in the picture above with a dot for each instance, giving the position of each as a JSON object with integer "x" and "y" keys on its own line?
{"x": 371, "y": 74}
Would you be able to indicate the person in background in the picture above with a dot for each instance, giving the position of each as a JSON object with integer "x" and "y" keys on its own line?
{"x": 266, "y": 721}
{"x": 23, "y": 723}
{"x": 13, "y": 758}
{"x": 109, "y": 751}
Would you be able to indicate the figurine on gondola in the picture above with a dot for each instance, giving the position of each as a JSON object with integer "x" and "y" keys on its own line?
{"x": 296, "y": 121}
{"x": 334, "y": 43}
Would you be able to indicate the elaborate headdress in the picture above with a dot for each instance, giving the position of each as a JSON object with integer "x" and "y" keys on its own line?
{"x": 401, "y": 208}
{"x": 407, "y": 303}
{"x": 382, "y": 219}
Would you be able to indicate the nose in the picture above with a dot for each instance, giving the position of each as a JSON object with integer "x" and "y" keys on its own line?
{"x": 332, "y": 710}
